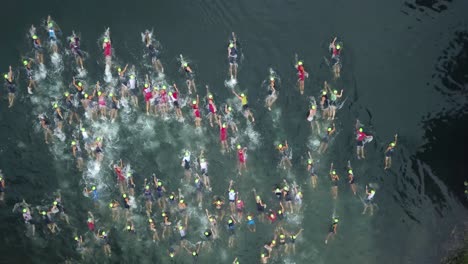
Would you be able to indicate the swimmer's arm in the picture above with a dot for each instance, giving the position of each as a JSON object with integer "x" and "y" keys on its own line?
{"x": 334, "y": 40}
{"x": 341, "y": 94}
{"x": 286, "y": 144}
{"x": 349, "y": 165}
{"x": 10, "y": 74}
{"x": 333, "y": 129}
{"x": 396, "y": 139}
{"x": 74, "y": 152}
{"x": 238, "y": 96}
{"x": 230, "y": 185}
{"x": 235, "y": 261}
{"x": 198, "y": 99}
{"x": 124, "y": 69}
{"x": 331, "y": 168}
{"x": 175, "y": 87}
{"x": 308, "y": 153}
{"x": 281, "y": 205}
{"x": 300, "y": 230}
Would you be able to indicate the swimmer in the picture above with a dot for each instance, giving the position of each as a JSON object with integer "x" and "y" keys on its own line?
{"x": 203, "y": 163}
{"x": 232, "y": 57}
{"x": 29, "y": 75}
{"x": 160, "y": 190}
{"x": 80, "y": 88}
{"x": 211, "y": 107}
{"x": 351, "y": 178}
{"x": 163, "y": 100}
{"x": 76, "y": 50}
{"x": 241, "y": 158}
{"x": 287, "y": 196}
{"x": 232, "y": 196}
{"x": 190, "y": 77}
{"x": 311, "y": 170}
{"x": 115, "y": 105}
{"x": 369, "y": 201}
{"x": 239, "y": 208}
{"x": 297, "y": 198}
{"x": 311, "y": 116}
{"x": 261, "y": 206}
{"x": 291, "y": 245}
{"x": 38, "y": 49}
{"x": 123, "y": 80}
{"x": 213, "y": 223}
{"x": 148, "y": 198}
{"x": 102, "y": 237}
{"x": 229, "y": 119}
{"x": 389, "y": 153}
{"x": 102, "y": 102}
{"x": 186, "y": 164}
{"x": 334, "y": 95}
{"x": 58, "y": 116}
{"x": 118, "y": 169}
{"x": 133, "y": 90}
{"x": 154, "y": 55}
{"x": 45, "y": 124}
{"x": 92, "y": 191}
{"x": 114, "y": 206}
{"x": 245, "y": 106}
{"x": 71, "y": 109}
{"x": 360, "y": 137}
{"x": 194, "y": 252}
{"x": 332, "y": 230}
{"x": 58, "y": 208}
{"x": 166, "y": 224}
{"x": 174, "y": 97}
{"x": 130, "y": 227}
{"x": 51, "y": 28}
{"x": 251, "y": 223}
{"x": 196, "y": 112}
{"x": 272, "y": 94}
{"x": 326, "y": 138}
{"x": 285, "y": 153}
{"x": 324, "y": 101}
{"x": 90, "y": 222}
{"x": 334, "y": 179}
{"x": 218, "y": 203}
{"x": 152, "y": 228}
{"x": 25, "y": 210}
{"x": 336, "y": 58}
{"x": 77, "y": 154}
{"x": 107, "y": 47}
{"x": 223, "y": 135}
{"x": 182, "y": 229}
{"x": 302, "y": 75}
{"x": 264, "y": 258}
{"x": 199, "y": 187}
{"x": 11, "y": 86}
{"x": 147, "y": 93}
{"x": 231, "y": 226}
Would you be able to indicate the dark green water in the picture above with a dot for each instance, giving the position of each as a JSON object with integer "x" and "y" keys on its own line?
{"x": 404, "y": 72}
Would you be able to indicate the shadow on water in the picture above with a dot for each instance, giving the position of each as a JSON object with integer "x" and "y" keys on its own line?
{"x": 445, "y": 147}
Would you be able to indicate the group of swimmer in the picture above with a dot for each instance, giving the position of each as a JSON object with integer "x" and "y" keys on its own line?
{"x": 168, "y": 209}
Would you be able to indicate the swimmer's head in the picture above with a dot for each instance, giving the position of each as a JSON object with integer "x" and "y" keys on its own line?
{"x": 360, "y": 129}
{"x": 309, "y": 161}
{"x": 231, "y": 45}
{"x": 338, "y": 46}
{"x": 392, "y": 144}
{"x": 73, "y": 143}
{"x": 239, "y": 147}
{"x": 80, "y": 84}
{"x": 132, "y": 76}
{"x": 185, "y": 64}
{"x": 314, "y": 107}
{"x": 34, "y": 37}
{"x": 106, "y": 40}
{"x": 25, "y": 62}
{"x": 66, "y": 94}
{"x": 350, "y": 171}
